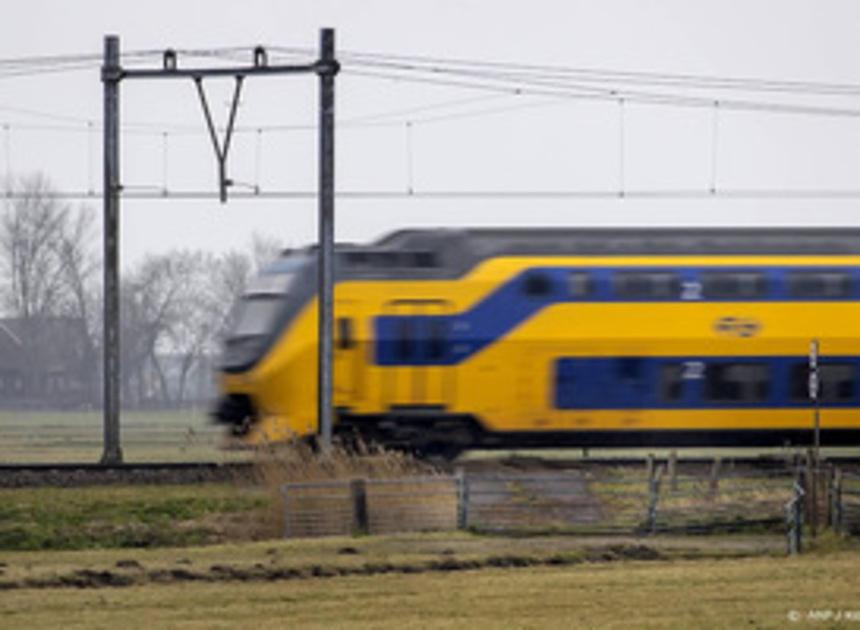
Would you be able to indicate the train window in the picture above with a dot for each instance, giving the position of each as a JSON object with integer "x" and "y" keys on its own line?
{"x": 424, "y": 259}
{"x": 566, "y": 390}
{"x": 579, "y": 284}
{"x": 734, "y": 284}
{"x": 737, "y": 382}
{"x": 417, "y": 259}
{"x": 629, "y": 369}
{"x": 405, "y": 339}
{"x": 820, "y": 284}
{"x": 345, "y": 339}
{"x": 437, "y": 339}
{"x": 638, "y": 285}
{"x": 837, "y": 382}
{"x": 671, "y": 382}
{"x": 355, "y": 258}
{"x": 537, "y": 284}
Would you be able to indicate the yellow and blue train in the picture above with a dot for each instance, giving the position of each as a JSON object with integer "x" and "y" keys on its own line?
{"x": 450, "y": 339}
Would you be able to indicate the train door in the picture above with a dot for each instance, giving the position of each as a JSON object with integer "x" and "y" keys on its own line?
{"x": 347, "y": 368}
{"x": 417, "y": 343}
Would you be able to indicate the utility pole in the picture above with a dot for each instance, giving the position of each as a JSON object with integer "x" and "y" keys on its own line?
{"x": 326, "y": 68}
{"x": 111, "y": 75}
{"x": 325, "y": 279}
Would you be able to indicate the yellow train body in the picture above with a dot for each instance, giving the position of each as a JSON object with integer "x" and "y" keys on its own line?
{"x": 511, "y": 383}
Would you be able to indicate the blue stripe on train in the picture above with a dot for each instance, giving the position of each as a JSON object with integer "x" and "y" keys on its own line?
{"x": 641, "y": 383}
{"x": 450, "y": 339}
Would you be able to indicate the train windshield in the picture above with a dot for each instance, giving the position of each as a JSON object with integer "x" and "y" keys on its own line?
{"x": 255, "y": 315}
{"x": 263, "y": 298}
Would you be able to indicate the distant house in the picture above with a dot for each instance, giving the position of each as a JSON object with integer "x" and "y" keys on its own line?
{"x": 46, "y": 362}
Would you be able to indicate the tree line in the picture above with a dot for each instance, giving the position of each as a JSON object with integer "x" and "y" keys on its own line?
{"x": 175, "y": 306}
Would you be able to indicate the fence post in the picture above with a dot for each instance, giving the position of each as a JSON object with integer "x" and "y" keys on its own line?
{"x": 794, "y": 516}
{"x": 462, "y": 482}
{"x": 649, "y": 467}
{"x": 714, "y": 484}
{"x": 812, "y": 492}
{"x": 653, "y": 499}
{"x": 358, "y": 492}
{"x": 673, "y": 470}
{"x": 836, "y": 501}
{"x": 286, "y": 497}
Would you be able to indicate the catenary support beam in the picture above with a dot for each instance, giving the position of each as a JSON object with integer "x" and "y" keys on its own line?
{"x": 326, "y": 68}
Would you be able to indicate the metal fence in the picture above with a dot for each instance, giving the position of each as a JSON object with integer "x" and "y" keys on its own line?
{"x": 844, "y": 499}
{"x": 572, "y": 502}
{"x": 371, "y": 506}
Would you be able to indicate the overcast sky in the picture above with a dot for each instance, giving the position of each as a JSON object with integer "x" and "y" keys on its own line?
{"x": 500, "y": 143}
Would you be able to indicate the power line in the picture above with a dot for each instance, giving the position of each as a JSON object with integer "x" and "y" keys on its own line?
{"x": 499, "y": 78}
{"x": 605, "y": 75}
{"x": 22, "y": 66}
{"x": 581, "y": 92}
{"x": 158, "y": 192}
{"x": 387, "y": 118}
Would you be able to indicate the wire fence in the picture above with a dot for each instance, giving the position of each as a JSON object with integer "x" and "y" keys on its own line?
{"x": 844, "y": 498}
{"x": 375, "y": 506}
{"x": 573, "y": 501}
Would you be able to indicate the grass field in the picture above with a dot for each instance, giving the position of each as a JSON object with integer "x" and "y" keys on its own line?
{"x": 143, "y": 557}
{"x": 131, "y": 516}
{"x": 164, "y": 436}
{"x": 757, "y": 592}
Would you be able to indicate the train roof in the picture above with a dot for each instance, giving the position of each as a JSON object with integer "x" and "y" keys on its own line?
{"x": 629, "y": 241}
{"x": 450, "y": 252}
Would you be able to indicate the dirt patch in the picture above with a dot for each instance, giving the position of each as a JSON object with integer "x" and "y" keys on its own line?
{"x": 347, "y": 551}
{"x": 132, "y": 573}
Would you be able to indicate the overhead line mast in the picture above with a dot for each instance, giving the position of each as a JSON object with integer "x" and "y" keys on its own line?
{"x": 326, "y": 68}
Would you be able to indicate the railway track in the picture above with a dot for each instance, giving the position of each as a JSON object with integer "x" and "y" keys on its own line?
{"x": 83, "y": 474}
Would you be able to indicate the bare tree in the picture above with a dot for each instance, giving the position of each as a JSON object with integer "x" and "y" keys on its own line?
{"x": 176, "y": 307}
{"x": 82, "y": 295}
{"x": 31, "y": 228}
{"x": 264, "y": 250}
{"x": 173, "y": 312}
{"x": 148, "y": 303}
{"x": 230, "y": 278}
{"x": 49, "y": 270}
{"x": 196, "y": 317}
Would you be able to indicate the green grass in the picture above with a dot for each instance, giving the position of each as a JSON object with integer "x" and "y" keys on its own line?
{"x": 118, "y": 516}
{"x": 176, "y": 435}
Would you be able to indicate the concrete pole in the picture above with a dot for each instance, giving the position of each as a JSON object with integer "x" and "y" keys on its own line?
{"x": 111, "y": 76}
{"x": 327, "y": 69}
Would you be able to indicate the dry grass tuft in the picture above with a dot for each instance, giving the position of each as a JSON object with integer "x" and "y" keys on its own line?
{"x": 297, "y": 461}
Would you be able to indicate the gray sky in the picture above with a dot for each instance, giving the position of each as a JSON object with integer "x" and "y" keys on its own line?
{"x": 503, "y": 143}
